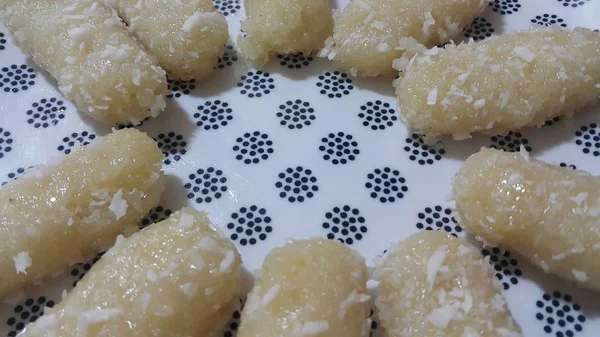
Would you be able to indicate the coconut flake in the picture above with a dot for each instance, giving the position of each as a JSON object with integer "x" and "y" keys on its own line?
{"x": 225, "y": 266}
{"x": 151, "y": 275}
{"x": 433, "y": 265}
{"x": 189, "y": 289}
{"x": 580, "y": 276}
{"x": 523, "y": 152}
{"x": 270, "y": 295}
{"x": 432, "y": 96}
{"x": 478, "y": 104}
{"x": 118, "y": 205}
{"x": 195, "y": 20}
{"x": 95, "y": 316}
{"x": 145, "y": 299}
{"x": 353, "y": 298}
{"x": 429, "y": 21}
{"x": 186, "y": 220}
{"x": 313, "y": 328}
{"x": 383, "y": 47}
{"x": 525, "y": 53}
{"x": 22, "y": 262}
{"x": 441, "y": 317}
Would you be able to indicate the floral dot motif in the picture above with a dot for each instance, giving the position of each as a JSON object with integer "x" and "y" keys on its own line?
{"x": 213, "y": 115}
{"x": 46, "y": 112}
{"x": 156, "y": 214}
{"x": 297, "y": 184}
{"x": 510, "y": 143}
{"x": 377, "y": 115}
{"x": 256, "y": 84}
{"x": 228, "y": 59}
{"x": 568, "y": 165}
{"x": 17, "y": 77}
{"x": 83, "y": 139}
{"x": 335, "y": 84}
{"x": 176, "y": 88}
{"x": 559, "y": 315}
{"x": 172, "y": 145}
{"x": 479, "y": 29}
{"x": 296, "y": 114}
{"x": 345, "y": 224}
{"x": 339, "y": 147}
{"x": 27, "y": 312}
{"x": 386, "y": 185}
{"x": 2, "y": 41}
{"x": 573, "y": 3}
{"x": 294, "y": 61}
{"x": 422, "y": 153}
{"x": 11, "y": 176}
{"x": 227, "y": 7}
{"x": 253, "y": 147}
{"x": 250, "y": 225}
{"x": 551, "y": 122}
{"x": 588, "y": 137}
{"x": 79, "y": 270}
{"x": 206, "y": 185}
{"x": 439, "y": 218}
{"x": 548, "y": 20}
{"x": 505, "y": 7}
{"x": 506, "y": 268}
{"x": 6, "y": 142}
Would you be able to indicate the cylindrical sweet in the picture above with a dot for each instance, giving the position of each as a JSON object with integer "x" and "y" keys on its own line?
{"x": 501, "y": 84}
{"x": 175, "y": 278}
{"x": 546, "y": 213}
{"x": 313, "y": 287}
{"x": 89, "y": 51}
{"x": 432, "y": 284}
{"x": 285, "y": 27}
{"x": 370, "y": 34}
{"x": 186, "y": 37}
{"x": 74, "y": 207}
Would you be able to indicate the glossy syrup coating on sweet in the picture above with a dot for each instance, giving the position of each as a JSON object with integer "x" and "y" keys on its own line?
{"x": 313, "y": 287}
{"x": 89, "y": 51}
{"x": 178, "y": 277}
{"x": 186, "y": 37}
{"x": 75, "y": 206}
{"x": 501, "y": 84}
{"x": 432, "y": 284}
{"x": 547, "y": 213}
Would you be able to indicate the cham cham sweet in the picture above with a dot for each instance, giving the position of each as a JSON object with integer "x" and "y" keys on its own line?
{"x": 285, "y": 27}
{"x": 178, "y": 277}
{"x": 186, "y": 37}
{"x": 313, "y": 288}
{"x": 432, "y": 284}
{"x": 74, "y": 207}
{"x": 370, "y": 34}
{"x": 546, "y": 213}
{"x": 501, "y": 84}
{"x": 89, "y": 51}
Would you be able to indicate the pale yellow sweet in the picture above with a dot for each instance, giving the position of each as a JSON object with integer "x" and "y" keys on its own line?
{"x": 74, "y": 207}
{"x": 89, "y": 51}
{"x": 185, "y": 36}
{"x": 501, "y": 84}
{"x": 547, "y": 213}
{"x": 370, "y": 34}
{"x": 313, "y": 287}
{"x": 432, "y": 284}
{"x": 177, "y": 278}
{"x": 285, "y": 27}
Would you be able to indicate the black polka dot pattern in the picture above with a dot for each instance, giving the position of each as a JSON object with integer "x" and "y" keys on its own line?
{"x": 229, "y": 57}
{"x": 15, "y": 78}
{"x": 297, "y": 184}
{"x": 256, "y": 84}
{"x": 568, "y": 165}
{"x": 46, "y": 112}
{"x": 231, "y": 328}
{"x": 588, "y": 137}
{"x": 122, "y": 126}
{"x": 75, "y": 138}
{"x": 505, "y": 7}
{"x": 339, "y": 148}
{"x": 551, "y": 122}
{"x": 506, "y": 268}
{"x": 559, "y": 316}
{"x": 250, "y": 225}
{"x": 294, "y": 61}
{"x": 206, "y": 185}
{"x": 422, "y": 153}
{"x": 172, "y": 145}
{"x": 386, "y": 185}
{"x": 345, "y": 224}
{"x": 377, "y": 115}
{"x": 253, "y": 147}
{"x": 334, "y": 84}
{"x": 156, "y": 214}
{"x": 573, "y": 3}
{"x": 11, "y": 176}
{"x": 6, "y": 142}
{"x": 2, "y": 41}
{"x": 176, "y": 88}
{"x": 296, "y": 114}
{"x": 510, "y": 143}
{"x": 227, "y": 7}
{"x": 479, "y": 29}
{"x": 213, "y": 115}
{"x": 79, "y": 270}
{"x": 27, "y": 312}
{"x": 439, "y": 218}
{"x": 548, "y": 20}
